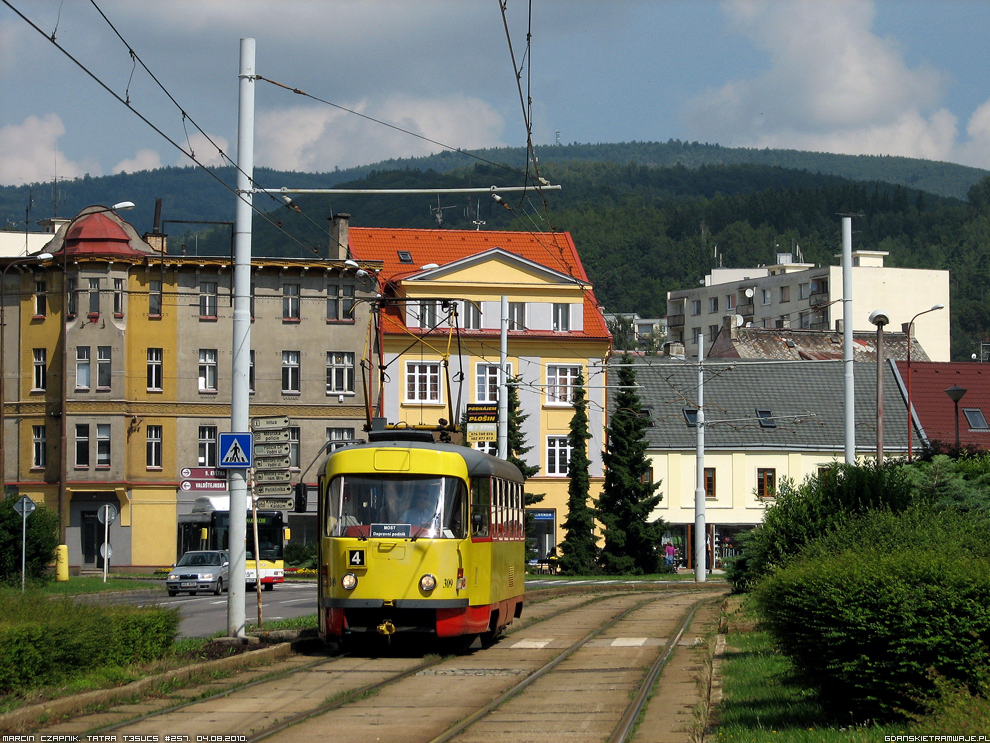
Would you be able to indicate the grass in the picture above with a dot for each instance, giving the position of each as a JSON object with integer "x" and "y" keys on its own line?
{"x": 713, "y": 578}
{"x": 81, "y": 584}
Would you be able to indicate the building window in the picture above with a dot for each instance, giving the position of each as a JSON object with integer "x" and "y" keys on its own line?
{"x": 40, "y": 299}
{"x": 561, "y": 318}
{"x": 558, "y": 455}
{"x": 153, "y": 448}
{"x": 82, "y": 367}
{"x": 766, "y": 418}
{"x": 118, "y": 297}
{"x": 207, "y": 446}
{"x": 155, "y": 298}
{"x": 709, "y": 482}
{"x": 294, "y": 447}
{"x": 207, "y": 370}
{"x": 472, "y": 316}
{"x": 155, "y": 369}
{"x": 39, "y": 441}
{"x": 561, "y": 381}
{"x": 428, "y": 313}
{"x": 94, "y": 296}
{"x": 335, "y": 435}
{"x": 290, "y": 372}
{"x": 975, "y": 418}
{"x": 695, "y": 335}
{"x": 82, "y": 445}
{"x": 819, "y": 286}
{"x": 713, "y": 304}
{"x": 804, "y": 290}
{"x": 340, "y": 301}
{"x": 695, "y": 306}
{"x": 730, "y": 302}
{"x": 805, "y": 320}
{"x": 103, "y": 445}
{"x": 766, "y": 296}
{"x": 766, "y": 482}
{"x": 290, "y": 301}
{"x": 487, "y": 447}
{"x": 40, "y": 380}
{"x": 340, "y": 372}
{"x": 208, "y": 300}
{"x": 71, "y": 291}
{"x": 486, "y": 383}
{"x": 423, "y": 382}
{"x": 251, "y": 376}
{"x": 104, "y": 369}
{"x": 785, "y": 294}
{"x": 713, "y": 331}
{"x": 517, "y": 315}
{"x": 690, "y": 417}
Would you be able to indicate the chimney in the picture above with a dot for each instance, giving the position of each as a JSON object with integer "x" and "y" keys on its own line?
{"x": 729, "y": 327}
{"x": 339, "y": 249}
{"x": 156, "y": 240}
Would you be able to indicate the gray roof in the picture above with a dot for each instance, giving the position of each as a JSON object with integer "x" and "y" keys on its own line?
{"x": 796, "y": 344}
{"x": 806, "y": 400}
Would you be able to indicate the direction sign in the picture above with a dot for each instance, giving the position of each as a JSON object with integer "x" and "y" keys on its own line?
{"x": 279, "y": 449}
{"x": 235, "y": 450}
{"x": 267, "y": 436}
{"x": 203, "y": 473}
{"x": 272, "y": 489}
{"x": 24, "y": 506}
{"x": 272, "y": 475}
{"x": 275, "y": 504}
{"x": 188, "y": 485}
{"x": 272, "y": 463}
{"x": 274, "y": 422}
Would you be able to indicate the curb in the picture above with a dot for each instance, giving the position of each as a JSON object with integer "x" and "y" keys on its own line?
{"x": 30, "y": 717}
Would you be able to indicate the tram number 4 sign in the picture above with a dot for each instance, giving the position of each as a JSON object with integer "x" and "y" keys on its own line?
{"x": 355, "y": 558}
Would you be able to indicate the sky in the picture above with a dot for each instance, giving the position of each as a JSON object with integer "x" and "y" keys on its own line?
{"x": 895, "y": 77}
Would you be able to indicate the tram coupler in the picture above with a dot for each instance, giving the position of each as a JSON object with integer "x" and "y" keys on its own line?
{"x": 386, "y": 628}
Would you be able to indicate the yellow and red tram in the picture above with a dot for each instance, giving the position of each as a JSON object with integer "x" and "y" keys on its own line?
{"x": 419, "y": 537}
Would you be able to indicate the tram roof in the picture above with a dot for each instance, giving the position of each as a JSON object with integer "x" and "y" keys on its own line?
{"x": 478, "y": 463}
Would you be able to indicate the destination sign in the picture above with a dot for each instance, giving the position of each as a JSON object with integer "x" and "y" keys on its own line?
{"x": 272, "y": 476}
{"x": 203, "y": 473}
{"x": 275, "y": 504}
{"x": 274, "y": 422}
{"x": 272, "y": 463}
{"x": 398, "y": 531}
{"x": 270, "y": 450}
{"x": 188, "y": 485}
{"x": 270, "y": 436}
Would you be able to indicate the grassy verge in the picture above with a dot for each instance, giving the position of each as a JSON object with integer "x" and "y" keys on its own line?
{"x": 713, "y": 578}
{"x": 762, "y": 702}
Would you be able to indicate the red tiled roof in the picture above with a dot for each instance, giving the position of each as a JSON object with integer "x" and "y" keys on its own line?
{"x": 97, "y": 234}
{"x": 935, "y": 410}
{"x": 555, "y": 251}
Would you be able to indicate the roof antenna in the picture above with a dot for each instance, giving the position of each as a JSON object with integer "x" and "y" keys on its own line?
{"x": 438, "y": 211}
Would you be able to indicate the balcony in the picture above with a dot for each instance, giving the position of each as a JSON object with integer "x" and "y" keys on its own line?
{"x": 675, "y": 321}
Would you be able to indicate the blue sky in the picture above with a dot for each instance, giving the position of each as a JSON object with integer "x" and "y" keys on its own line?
{"x": 899, "y": 77}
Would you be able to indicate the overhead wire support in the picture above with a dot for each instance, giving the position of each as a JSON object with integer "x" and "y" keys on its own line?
{"x": 492, "y": 189}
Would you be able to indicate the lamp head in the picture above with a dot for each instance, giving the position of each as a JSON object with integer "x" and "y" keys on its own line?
{"x": 955, "y": 392}
{"x": 351, "y": 264}
{"x": 879, "y": 318}
{"x": 123, "y": 205}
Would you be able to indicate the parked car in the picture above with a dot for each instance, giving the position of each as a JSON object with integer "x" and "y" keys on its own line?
{"x": 200, "y": 570}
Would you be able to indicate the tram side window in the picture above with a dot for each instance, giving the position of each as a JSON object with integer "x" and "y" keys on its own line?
{"x": 453, "y": 508}
{"x": 481, "y": 498}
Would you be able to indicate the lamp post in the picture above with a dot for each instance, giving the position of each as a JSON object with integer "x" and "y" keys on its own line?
{"x": 63, "y": 489}
{"x": 879, "y": 318}
{"x": 40, "y": 258}
{"x": 910, "y": 416}
{"x": 955, "y": 393}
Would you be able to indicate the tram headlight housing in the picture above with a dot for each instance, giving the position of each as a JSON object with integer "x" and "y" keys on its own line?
{"x": 349, "y": 581}
{"x": 428, "y": 582}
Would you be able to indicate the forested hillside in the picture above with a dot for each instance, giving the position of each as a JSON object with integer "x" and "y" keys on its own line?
{"x": 642, "y": 230}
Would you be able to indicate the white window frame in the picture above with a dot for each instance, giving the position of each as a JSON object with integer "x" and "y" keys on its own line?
{"x": 712, "y": 304}
{"x": 561, "y": 381}
{"x": 103, "y": 445}
{"x": 153, "y": 447}
{"x": 40, "y": 378}
{"x": 423, "y": 382}
{"x": 294, "y": 438}
{"x": 104, "y": 367}
{"x": 766, "y": 297}
{"x": 94, "y": 296}
{"x": 40, "y": 298}
{"x": 207, "y": 446}
{"x": 340, "y": 301}
{"x": 804, "y": 290}
{"x": 429, "y": 312}
{"x": 340, "y": 372}
{"x": 208, "y": 299}
{"x": 290, "y": 301}
{"x": 472, "y": 316}
{"x": 207, "y": 370}
{"x": 82, "y": 446}
{"x": 517, "y": 316}
{"x": 339, "y": 434}
{"x": 39, "y": 446}
{"x": 291, "y": 375}
{"x": 155, "y": 371}
{"x": 154, "y": 298}
{"x": 118, "y": 297}
{"x": 695, "y": 307}
{"x": 558, "y": 456}
{"x": 486, "y": 382}
{"x": 83, "y": 368}
{"x": 561, "y": 317}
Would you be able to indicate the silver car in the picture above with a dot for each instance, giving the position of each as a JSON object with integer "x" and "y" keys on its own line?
{"x": 202, "y": 570}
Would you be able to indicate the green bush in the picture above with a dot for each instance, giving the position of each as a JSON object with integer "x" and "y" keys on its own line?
{"x": 871, "y": 622}
{"x": 42, "y": 540}
{"x": 46, "y": 640}
{"x": 301, "y": 555}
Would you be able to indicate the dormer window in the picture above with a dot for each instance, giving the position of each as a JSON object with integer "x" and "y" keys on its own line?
{"x": 766, "y": 418}
{"x": 977, "y": 421}
{"x": 405, "y": 256}
{"x": 691, "y": 417}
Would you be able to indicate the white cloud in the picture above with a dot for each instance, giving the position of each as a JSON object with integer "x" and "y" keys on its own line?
{"x": 29, "y": 152}
{"x": 321, "y": 138}
{"x": 976, "y": 151}
{"x": 831, "y": 85}
{"x": 144, "y": 160}
{"x": 205, "y": 151}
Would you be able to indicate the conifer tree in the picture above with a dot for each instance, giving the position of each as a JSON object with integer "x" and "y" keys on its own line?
{"x": 578, "y": 548}
{"x": 516, "y": 446}
{"x": 628, "y": 499}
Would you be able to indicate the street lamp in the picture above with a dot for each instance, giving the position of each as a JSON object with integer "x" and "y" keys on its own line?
{"x": 910, "y": 422}
{"x": 63, "y": 490}
{"x": 879, "y": 318}
{"x": 40, "y": 258}
{"x": 955, "y": 393}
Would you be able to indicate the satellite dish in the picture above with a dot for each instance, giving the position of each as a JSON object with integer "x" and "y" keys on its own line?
{"x": 749, "y": 292}
{"x": 749, "y": 325}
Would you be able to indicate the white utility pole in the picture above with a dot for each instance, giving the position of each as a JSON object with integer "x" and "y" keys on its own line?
{"x": 240, "y": 394}
{"x": 699, "y": 489}
{"x": 847, "y": 341}
{"x": 503, "y": 383}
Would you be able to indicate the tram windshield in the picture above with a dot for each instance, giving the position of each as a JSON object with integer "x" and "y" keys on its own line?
{"x": 361, "y": 506}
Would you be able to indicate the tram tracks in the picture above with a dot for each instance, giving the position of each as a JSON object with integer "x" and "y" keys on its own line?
{"x": 566, "y": 644}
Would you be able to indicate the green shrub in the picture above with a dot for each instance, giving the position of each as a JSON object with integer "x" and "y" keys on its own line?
{"x": 869, "y": 624}
{"x": 42, "y": 540}
{"x": 45, "y": 640}
{"x": 301, "y": 555}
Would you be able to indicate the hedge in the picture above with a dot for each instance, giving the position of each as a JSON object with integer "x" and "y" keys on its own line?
{"x": 46, "y": 641}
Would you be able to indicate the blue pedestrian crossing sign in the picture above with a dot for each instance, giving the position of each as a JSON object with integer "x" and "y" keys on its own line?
{"x": 236, "y": 451}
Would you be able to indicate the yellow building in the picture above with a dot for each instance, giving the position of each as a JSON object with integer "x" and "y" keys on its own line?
{"x": 440, "y": 328}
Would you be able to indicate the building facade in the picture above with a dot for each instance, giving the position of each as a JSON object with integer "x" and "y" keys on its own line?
{"x": 805, "y": 296}
{"x": 117, "y": 378}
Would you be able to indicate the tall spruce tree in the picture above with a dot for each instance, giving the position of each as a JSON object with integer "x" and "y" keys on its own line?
{"x": 578, "y": 548}
{"x": 628, "y": 499}
{"x": 517, "y": 446}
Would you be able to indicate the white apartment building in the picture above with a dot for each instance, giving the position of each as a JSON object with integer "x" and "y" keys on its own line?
{"x": 803, "y": 295}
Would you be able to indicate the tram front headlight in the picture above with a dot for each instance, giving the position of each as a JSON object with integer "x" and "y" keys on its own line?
{"x": 428, "y": 582}
{"x": 349, "y": 581}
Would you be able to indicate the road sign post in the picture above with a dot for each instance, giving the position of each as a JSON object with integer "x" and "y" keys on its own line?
{"x": 25, "y": 507}
{"x": 107, "y": 515}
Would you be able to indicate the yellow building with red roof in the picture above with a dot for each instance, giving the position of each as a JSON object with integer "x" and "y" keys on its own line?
{"x": 440, "y": 326}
